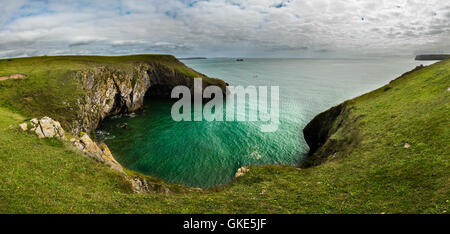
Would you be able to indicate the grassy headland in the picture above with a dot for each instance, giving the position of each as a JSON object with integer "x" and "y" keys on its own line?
{"x": 49, "y": 85}
{"x": 377, "y": 175}
{"x": 433, "y": 57}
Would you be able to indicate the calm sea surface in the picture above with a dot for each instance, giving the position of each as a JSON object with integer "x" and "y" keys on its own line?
{"x": 204, "y": 154}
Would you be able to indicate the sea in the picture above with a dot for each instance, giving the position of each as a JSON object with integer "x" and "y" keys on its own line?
{"x": 208, "y": 153}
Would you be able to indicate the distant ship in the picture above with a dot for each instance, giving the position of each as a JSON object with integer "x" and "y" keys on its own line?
{"x": 239, "y": 60}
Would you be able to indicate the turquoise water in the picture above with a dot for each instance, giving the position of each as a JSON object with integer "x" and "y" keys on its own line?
{"x": 204, "y": 154}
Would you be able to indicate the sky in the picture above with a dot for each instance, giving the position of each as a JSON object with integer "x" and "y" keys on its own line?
{"x": 225, "y": 28}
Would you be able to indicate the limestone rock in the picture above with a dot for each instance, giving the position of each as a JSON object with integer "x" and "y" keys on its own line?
{"x": 196, "y": 189}
{"x": 23, "y": 126}
{"x": 47, "y": 127}
{"x": 139, "y": 185}
{"x": 109, "y": 91}
{"x": 241, "y": 171}
{"x": 51, "y": 128}
{"x": 34, "y": 122}
{"x": 90, "y": 146}
{"x": 109, "y": 159}
{"x": 100, "y": 153}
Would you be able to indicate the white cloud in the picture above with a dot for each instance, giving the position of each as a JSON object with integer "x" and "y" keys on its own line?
{"x": 225, "y": 27}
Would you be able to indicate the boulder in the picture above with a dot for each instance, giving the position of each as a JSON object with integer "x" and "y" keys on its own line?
{"x": 47, "y": 128}
{"x": 90, "y": 146}
{"x": 23, "y": 126}
{"x": 406, "y": 146}
{"x": 100, "y": 153}
{"x": 241, "y": 171}
{"x": 139, "y": 185}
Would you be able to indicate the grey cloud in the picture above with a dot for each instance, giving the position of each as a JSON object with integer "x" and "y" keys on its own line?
{"x": 80, "y": 43}
{"x": 224, "y": 27}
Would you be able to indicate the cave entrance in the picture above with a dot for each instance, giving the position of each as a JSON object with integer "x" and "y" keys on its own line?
{"x": 158, "y": 91}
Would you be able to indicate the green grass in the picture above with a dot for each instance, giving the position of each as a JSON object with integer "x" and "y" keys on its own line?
{"x": 378, "y": 176}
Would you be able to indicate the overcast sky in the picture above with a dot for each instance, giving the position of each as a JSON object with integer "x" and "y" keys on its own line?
{"x": 225, "y": 28}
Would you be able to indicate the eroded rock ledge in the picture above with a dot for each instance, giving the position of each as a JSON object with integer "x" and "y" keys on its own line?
{"x": 108, "y": 91}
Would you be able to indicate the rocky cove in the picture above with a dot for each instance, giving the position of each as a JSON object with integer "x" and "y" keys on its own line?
{"x": 383, "y": 150}
{"x": 110, "y": 91}
{"x": 103, "y": 89}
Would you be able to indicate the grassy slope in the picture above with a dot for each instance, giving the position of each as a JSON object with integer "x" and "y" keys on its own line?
{"x": 379, "y": 176}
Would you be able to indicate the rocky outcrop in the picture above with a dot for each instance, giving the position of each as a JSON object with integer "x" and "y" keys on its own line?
{"x": 330, "y": 135}
{"x": 241, "y": 171}
{"x": 140, "y": 185}
{"x": 49, "y": 128}
{"x": 23, "y": 126}
{"x": 110, "y": 91}
{"x": 45, "y": 128}
{"x": 100, "y": 152}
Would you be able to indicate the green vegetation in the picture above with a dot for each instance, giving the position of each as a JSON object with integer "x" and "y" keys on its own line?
{"x": 379, "y": 175}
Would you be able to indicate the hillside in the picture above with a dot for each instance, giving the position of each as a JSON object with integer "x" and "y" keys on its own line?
{"x": 364, "y": 165}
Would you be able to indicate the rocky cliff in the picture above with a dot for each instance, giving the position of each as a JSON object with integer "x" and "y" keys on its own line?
{"x": 331, "y": 134}
{"x": 80, "y": 91}
{"x": 108, "y": 91}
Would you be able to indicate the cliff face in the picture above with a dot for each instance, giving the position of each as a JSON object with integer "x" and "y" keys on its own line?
{"x": 108, "y": 91}
{"x": 331, "y": 134}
